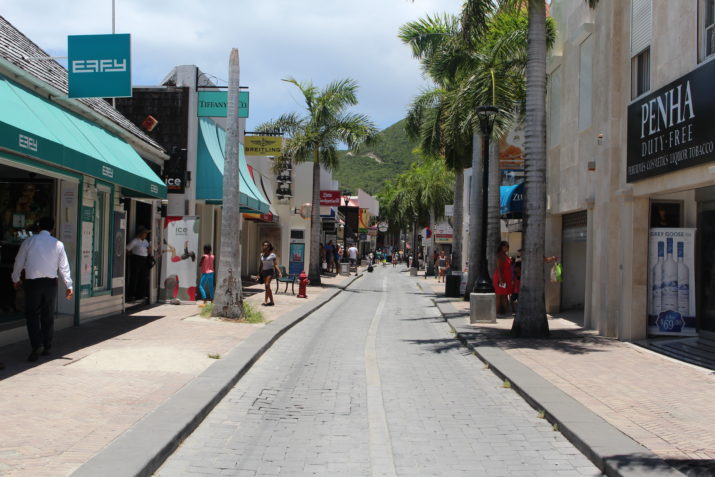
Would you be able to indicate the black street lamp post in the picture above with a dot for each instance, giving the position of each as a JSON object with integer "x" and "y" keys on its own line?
{"x": 486, "y": 115}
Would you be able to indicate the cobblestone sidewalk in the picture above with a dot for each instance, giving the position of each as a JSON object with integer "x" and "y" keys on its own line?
{"x": 663, "y": 404}
{"x": 106, "y": 375}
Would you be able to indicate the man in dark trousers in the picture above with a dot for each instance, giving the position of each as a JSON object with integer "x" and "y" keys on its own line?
{"x": 41, "y": 256}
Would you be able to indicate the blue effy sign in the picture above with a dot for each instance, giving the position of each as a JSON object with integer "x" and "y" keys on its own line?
{"x": 99, "y": 66}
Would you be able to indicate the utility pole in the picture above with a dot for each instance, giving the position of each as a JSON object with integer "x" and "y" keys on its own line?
{"x": 228, "y": 301}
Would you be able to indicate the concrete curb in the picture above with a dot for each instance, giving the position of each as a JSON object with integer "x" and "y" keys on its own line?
{"x": 142, "y": 449}
{"x": 614, "y": 453}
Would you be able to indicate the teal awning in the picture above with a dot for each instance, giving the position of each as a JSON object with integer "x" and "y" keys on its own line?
{"x": 209, "y": 170}
{"x": 34, "y": 126}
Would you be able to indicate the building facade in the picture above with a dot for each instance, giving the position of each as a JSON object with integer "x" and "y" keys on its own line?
{"x": 631, "y": 177}
{"x": 76, "y": 160}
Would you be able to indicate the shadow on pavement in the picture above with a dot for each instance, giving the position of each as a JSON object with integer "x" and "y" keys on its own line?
{"x": 650, "y": 464}
{"x": 564, "y": 341}
{"x": 439, "y": 345}
{"x": 694, "y": 468}
{"x": 69, "y": 340}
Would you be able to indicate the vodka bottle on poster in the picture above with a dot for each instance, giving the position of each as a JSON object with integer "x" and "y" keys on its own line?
{"x": 657, "y": 282}
{"x": 683, "y": 282}
{"x": 669, "y": 298}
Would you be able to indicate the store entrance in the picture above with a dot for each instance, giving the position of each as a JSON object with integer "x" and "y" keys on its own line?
{"x": 25, "y": 197}
{"x": 706, "y": 252}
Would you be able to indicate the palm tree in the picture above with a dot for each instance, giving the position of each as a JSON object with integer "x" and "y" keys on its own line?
{"x": 422, "y": 191}
{"x": 436, "y": 42}
{"x": 228, "y": 301}
{"x": 530, "y": 320}
{"x": 316, "y": 137}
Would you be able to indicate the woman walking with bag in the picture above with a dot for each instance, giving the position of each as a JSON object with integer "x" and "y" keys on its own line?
{"x": 269, "y": 268}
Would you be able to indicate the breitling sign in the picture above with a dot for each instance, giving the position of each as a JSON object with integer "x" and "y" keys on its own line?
{"x": 263, "y": 145}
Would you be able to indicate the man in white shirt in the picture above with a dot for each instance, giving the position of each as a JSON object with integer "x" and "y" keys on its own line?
{"x": 41, "y": 256}
{"x": 138, "y": 249}
{"x": 352, "y": 255}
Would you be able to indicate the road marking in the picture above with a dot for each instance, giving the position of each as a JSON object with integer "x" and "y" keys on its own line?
{"x": 381, "y": 459}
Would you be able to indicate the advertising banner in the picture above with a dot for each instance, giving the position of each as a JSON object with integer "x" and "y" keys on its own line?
{"x": 214, "y": 104}
{"x": 671, "y": 282}
{"x": 364, "y": 221}
{"x": 263, "y": 145}
{"x": 330, "y": 197}
{"x": 671, "y": 128}
{"x": 297, "y": 258}
{"x": 99, "y": 66}
{"x": 179, "y": 265}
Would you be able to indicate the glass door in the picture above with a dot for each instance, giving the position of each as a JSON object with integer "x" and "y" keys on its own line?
{"x": 706, "y": 262}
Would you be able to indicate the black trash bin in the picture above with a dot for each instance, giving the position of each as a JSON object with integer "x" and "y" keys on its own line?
{"x": 451, "y": 286}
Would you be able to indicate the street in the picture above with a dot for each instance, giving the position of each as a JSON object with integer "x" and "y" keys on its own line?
{"x": 373, "y": 383}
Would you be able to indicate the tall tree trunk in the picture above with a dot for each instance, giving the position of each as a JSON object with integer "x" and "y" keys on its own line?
{"x": 458, "y": 220}
{"x": 530, "y": 321}
{"x": 314, "y": 266}
{"x": 228, "y": 300}
{"x": 429, "y": 263}
{"x": 494, "y": 224}
{"x": 475, "y": 215}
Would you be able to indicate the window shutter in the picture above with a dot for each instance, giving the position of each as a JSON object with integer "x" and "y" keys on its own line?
{"x": 641, "y": 25}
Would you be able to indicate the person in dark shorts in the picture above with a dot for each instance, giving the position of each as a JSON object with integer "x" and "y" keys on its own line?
{"x": 269, "y": 269}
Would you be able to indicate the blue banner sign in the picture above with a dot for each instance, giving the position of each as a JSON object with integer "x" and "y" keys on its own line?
{"x": 99, "y": 66}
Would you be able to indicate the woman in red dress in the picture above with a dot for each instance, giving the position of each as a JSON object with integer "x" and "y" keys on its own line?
{"x": 502, "y": 278}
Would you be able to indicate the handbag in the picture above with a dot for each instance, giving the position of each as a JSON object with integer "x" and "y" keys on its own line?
{"x": 557, "y": 272}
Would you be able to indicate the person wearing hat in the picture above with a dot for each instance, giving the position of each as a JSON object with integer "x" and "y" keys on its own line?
{"x": 41, "y": 256}
{"x": 138, "y": 263}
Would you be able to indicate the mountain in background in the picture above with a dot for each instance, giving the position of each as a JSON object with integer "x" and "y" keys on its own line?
{"x": 373, "y": 165}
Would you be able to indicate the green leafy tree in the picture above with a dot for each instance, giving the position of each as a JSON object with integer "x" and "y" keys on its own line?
{"x": 530, "y": 319}
{"x": 316, "y": 137}
{"x": 423, "y": 190}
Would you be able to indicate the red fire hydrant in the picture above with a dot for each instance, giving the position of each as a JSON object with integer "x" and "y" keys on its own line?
{"x": 303, "y": 283}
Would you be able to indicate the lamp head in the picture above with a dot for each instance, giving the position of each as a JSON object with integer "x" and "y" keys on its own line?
{"x": 487, "y": 115}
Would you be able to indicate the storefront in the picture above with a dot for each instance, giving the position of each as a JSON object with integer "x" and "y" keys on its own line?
{"x": 55, "y": 162}
{"x": 671, "y": 149}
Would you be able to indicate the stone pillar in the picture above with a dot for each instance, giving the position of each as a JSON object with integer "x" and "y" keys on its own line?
{"x": 482, "y": 308}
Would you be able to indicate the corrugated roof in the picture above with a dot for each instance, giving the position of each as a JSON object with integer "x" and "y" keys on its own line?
{"x": 16, "y": 48}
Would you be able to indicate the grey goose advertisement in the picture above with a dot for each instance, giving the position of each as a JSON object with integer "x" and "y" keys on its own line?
{"x": 673, "y": 128}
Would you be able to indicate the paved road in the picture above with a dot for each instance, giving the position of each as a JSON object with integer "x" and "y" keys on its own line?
{"x": 374, "y": 384}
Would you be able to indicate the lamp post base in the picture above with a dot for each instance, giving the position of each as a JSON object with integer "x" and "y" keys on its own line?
{"x": 483, "y": 285}
{"x": 482, "y": 308}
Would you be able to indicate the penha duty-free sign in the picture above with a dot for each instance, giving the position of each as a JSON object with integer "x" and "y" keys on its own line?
{"x": 672, "y": 128}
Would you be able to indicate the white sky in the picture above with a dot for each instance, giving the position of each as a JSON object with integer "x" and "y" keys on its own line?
{"x": 317, "y": 40}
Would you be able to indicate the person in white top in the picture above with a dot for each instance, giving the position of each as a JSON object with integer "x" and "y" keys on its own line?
{"x": 41, "y": 256}
{"x": 352, "y": 255}
{"x": 138, "y": 249}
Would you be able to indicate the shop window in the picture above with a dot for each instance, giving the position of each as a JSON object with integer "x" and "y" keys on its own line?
{"x": 706, "y": 28}
{"x": 640, "y": 73}
{"x": 100, "y": 245}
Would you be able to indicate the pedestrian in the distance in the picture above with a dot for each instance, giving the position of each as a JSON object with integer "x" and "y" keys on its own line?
{"x": 206, "y": 283}
{"x": 330, "y": 256}
{"x": 502, "y": 278}
{"x": 138, "y": 249}
{"x": 353, "y": 255}
{"x": 269, "y": 268}
{"x": 41, "y": 256}
{"x": 442, "y": 264}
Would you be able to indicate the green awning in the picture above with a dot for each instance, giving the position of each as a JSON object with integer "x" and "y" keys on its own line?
{"x": 209, "y": 170}
{"x": 34, "y": 126}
